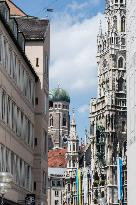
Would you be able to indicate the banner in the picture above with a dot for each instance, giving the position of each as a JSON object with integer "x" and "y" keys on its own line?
{"x": 85, "y": 186}
{"x": 77, "y": 188}
{"x": 79, "y": 180}
{"x": 119, "y": 178}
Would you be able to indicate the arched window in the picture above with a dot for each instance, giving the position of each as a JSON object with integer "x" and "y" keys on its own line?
{"x": 51, "y": 120}
{"x": 123, "y": 41}
{"x": 115, "y": 22}
{"x": 121, "y": 84}
{"x": 64, "y": 123}
{"x": 123, "y": 24}
{"x": 120, "y": 62}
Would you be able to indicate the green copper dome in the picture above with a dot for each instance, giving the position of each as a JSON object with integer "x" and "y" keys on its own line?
{"x": 59, "y": 95}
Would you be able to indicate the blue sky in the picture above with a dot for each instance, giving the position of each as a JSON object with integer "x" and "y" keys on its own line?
{"x": 74, "y": 27}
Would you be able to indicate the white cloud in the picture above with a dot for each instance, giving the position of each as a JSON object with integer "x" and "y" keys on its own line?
{"x": 83, "y": 109}
{"x": 76, "y": 5}
{"x": 73, "y": 53}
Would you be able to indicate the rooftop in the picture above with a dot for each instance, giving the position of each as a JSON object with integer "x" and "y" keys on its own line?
{"x": 15, "y": 10}
{"x": 58, "y": 95}
{"x": 56, "y": 158}
{"x": 32, "y": 27}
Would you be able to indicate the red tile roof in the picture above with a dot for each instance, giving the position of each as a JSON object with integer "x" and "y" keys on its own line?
{"x": 56, "y": 158}
{"x": 15, "y": 10}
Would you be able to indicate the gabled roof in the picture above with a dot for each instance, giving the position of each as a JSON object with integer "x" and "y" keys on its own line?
{"x": 15, "y": 10}
{"x": 56, "y": 158}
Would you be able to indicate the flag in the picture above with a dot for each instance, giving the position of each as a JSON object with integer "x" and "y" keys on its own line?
{"x": 119, "y": 179}
{"x": 79, "y": 185}
{"x": 85, "y": 185}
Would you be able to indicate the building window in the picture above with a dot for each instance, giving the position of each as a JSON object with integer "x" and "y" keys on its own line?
{"x": 36, "y": 101}
{"x": 44, "y": 182}
{"x": 46, "y": 104}
{"x": 56, "y": 193}
{"x": 70, "y": 163}
{"x": 34, "y": 186}
{"x": 35, "y": 141}
{"x": 53, "y": 183}
{"x": 51, "y": 120}
{"x": 68, "y": 187}
{"x": 123, "y": 126}
{"x": 123, "y": 24}
{"x": 115, "y": 22}
{"x": 64, "y": 123}
{"x": 74, "y": 148}
{"x": 74, "y": 163}
{"x": 121, "y": 84}
{"x": 45, "y": 142}
{"x": 37, "y": 62}
{"x": 120, "y": 62}
{"x": 123, "y": 41}
{"x": 58, "y": 183}
{"x": 56, "y": 202}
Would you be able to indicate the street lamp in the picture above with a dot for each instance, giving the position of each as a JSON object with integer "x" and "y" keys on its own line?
{"x": 5, "y": 184}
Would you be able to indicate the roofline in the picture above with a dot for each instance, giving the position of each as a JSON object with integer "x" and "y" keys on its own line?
{"x": 18, "y": 8}
{"x": 37, "y": 18}
{"x": 34, "y": 39}
{"x": 18, "y": 47}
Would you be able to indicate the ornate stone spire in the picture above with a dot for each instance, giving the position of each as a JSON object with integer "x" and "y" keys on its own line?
{"x": 73, "y": 133}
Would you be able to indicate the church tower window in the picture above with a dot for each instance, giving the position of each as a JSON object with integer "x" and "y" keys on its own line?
{"x": 64, "y": 123}
{"x": 123, "y": 24}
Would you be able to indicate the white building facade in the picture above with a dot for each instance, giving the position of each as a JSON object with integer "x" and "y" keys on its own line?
{"x": 23, "y": 117}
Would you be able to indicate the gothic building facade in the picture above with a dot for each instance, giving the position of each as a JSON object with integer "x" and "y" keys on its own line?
{"x": 108, "y": 113}
{"x": 131, "y": 96}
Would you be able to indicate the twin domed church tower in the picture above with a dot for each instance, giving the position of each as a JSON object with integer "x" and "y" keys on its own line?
{"x": 59, "y": 118}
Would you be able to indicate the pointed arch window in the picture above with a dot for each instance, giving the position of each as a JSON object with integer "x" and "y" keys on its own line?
{"x": 123, "y": 22}
{"x": 115, "y": 22}
{"x": 121, "y": 84}
{"x": 123, "y": 126}
{"x": 120, "y": 62}
{"x": 51, "y": 120}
